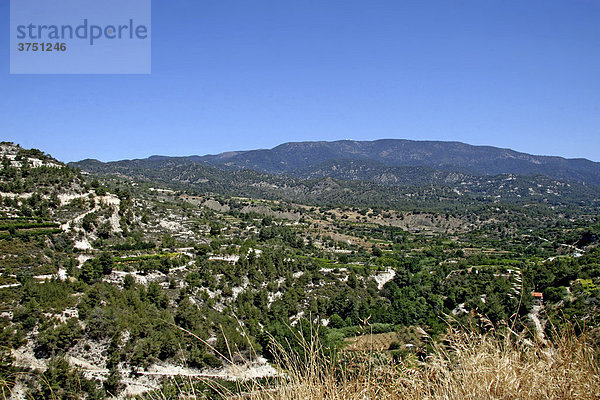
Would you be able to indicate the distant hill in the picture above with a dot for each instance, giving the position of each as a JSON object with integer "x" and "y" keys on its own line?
{"x": 383, "y": 161}
{"x": 444, "y": 156}
{"x": 308, "y": 173}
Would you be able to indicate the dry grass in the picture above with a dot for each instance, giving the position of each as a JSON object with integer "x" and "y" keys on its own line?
{"x": 378, "y": 341}
{"x": 496, "y": 365}
{"x": 466, "y": 365}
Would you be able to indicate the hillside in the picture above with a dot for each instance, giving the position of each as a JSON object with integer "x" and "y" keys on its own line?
{"x": 445, "y": 156}
{"x": 124, "y": 276}
{"x": 357, "y": 183}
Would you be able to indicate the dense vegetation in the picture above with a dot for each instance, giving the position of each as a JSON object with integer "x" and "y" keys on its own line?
{"x": 367, "y": 160}
{"x": 108, "y": 279}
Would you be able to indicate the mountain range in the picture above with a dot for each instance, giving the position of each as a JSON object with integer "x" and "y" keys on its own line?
{"x": 387, "y": 161}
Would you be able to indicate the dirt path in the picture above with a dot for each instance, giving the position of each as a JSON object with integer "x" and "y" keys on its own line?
{"x": 537, "y": 323}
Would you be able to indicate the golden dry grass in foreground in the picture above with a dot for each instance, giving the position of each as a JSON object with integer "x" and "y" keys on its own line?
{"x": 469, "y": 366}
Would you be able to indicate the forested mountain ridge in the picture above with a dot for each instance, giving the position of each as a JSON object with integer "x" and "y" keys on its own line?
{"x": 354, "y": 182}
{"x": 294, "y": 157}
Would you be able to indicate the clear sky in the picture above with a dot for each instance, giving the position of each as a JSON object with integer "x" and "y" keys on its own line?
{"x": 235, "y": 75}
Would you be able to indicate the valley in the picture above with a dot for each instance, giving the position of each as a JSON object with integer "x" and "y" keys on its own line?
{"x": 117, "y": 279}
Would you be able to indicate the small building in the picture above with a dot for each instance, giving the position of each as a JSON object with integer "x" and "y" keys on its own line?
{"x": 538, "y": 297}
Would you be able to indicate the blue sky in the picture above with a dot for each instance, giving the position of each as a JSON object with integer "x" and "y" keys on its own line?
{"x": 235, "y": 75}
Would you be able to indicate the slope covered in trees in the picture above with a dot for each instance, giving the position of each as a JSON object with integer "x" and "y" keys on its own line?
{"x": 114, "y": 280}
